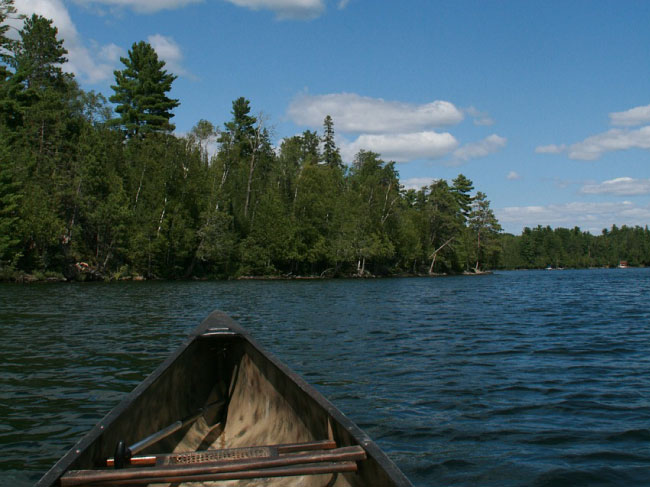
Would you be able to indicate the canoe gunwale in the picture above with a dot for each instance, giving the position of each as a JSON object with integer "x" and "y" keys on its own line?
{"x": 220, "y": 324}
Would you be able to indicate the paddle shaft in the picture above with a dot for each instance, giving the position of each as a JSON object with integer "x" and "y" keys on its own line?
{"x": 345, "y": 454}
{"x": 273, "y": 450}
{"x": 126, "y": 454}
{"x": 289, "y": 471}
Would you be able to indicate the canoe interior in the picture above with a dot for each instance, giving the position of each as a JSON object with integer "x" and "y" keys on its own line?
{"x": 252, "y": 400}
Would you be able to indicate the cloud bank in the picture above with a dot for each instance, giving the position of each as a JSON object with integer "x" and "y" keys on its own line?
{"x": 624, "y": 186}
{"x": 617, "y": 139}
{"x": 482, "y": 148}
{"x": 594, "y": 147}
{"x": 402, "y": 147}
{"x": 592, "y": 217}
{"x": 286, "y": 9}
{"x": 631, "y": 117}
{"x": 398, "y": 131}
{"x": 362, "y": 114}
{"x": 140, "y": 6}
{"x": 480, "y": 118}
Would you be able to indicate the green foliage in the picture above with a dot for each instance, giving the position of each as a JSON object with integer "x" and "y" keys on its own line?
{"x": 10, "y": 197}
{"x": 543, "y": 247}
{"x": 462, "y": 187}
{"x": 37, "y": 58}
{"x": 484, "y": 228}
{"x": 78, "y": 199}
{"x": 331, "y": 153}
{"x": 141, "y": 93}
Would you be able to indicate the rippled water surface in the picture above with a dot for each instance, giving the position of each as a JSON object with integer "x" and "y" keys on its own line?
{"x": 517, "y": 378}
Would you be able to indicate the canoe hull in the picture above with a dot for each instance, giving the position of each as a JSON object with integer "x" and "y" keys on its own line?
{"x": 249, "y": 399}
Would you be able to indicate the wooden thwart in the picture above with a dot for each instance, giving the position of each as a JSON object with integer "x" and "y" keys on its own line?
{"x": 280, "y": 465}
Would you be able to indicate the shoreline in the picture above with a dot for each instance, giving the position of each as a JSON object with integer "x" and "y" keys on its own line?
{"x": 35, "y": 279}
{"x": 45, "y": 279}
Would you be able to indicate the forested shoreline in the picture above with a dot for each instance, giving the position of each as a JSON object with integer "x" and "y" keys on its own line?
{"x": 92, "y": 188}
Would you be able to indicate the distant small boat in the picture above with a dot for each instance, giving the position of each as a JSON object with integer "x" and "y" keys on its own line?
{"x": 623, "y": 264}
{"x": 222, "y": 409}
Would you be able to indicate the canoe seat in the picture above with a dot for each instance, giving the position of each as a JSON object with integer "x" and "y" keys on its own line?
{"x": 314, "y": 458}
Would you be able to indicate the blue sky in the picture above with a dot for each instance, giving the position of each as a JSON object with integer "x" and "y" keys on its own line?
{"x": 544, "y": 105}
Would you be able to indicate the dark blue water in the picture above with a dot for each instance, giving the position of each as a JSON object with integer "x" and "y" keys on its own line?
{"x": 512, "y": 379}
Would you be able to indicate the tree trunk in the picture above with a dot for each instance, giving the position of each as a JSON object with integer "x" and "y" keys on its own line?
{"x": 478, "y": 251}
{"x": 162, "y": 216}
{"x": 251, "y": 169}
{"x": 435, "y": 253}
{"x": 255, "y": 145}
{"x": 361, "y": 266}
{"x": 433, "y": 261}
{"x": 137, "y": 195}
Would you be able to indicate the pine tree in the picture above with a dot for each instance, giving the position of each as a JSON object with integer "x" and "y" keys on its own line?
{"x": 141, "y": 93}
{"x": 462, "y": 187}
{"x": 38, "y": 57}
{"x": 331, "y": 154}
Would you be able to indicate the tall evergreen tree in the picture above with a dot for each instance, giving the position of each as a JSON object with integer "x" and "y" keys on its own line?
{"x": 38, "y": 57}
{"x": 485, "y": 227}
{"x": 462, "y": 187}
{"x": 242, "y": 126}
{"x": 331, "y": 153}
{"x": 141, "y": 92}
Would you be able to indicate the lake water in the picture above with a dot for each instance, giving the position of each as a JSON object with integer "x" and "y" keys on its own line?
{"x": 517, "y": 378}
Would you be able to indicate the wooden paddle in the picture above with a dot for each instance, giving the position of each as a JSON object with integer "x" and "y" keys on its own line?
{"x": 124, "y": 454}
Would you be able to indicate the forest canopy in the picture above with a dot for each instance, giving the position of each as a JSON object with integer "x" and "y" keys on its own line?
{"x": 97, "y": 188}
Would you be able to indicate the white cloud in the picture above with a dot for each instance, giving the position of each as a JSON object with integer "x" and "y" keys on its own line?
{"x": 592, "y": 217}
{"x": 402, "y": 147}
{"x": 396, "y": 130}
{"x": 513, "y": 176}
{"x": 142, "y": 6}
{"x": 361, "y": 114}
{"x": 343, "y": 4}
{"x": 596, "y": 146}
{"x": 286, "y": 9}
{"x": 480, "y": 118}
{"x": 550, "y": 149}
{"x": 90, "y": 64}
{"x": 482, "y": 148}
{"x": 633, "y": 116}
{"x": 170, "y": 52}
{"x": 417, "y": 183}
{"x": 624, "y": 186}
{"x": 111, "y": 52}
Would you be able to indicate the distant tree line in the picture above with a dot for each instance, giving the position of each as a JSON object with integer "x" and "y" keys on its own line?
{"x": 542, "y": 247}
{"x": 94, "y": 190}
